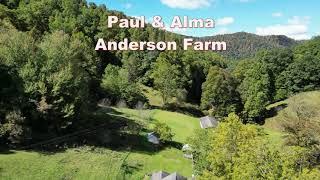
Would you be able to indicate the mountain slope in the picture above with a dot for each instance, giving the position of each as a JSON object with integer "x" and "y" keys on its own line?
{"x": 243, "y": 45}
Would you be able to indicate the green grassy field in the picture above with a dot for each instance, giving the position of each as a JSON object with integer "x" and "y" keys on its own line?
{"x": 308, "y": 99}
{"x": 72, "y": 164}
{"x": 84, "y": 163}
{"x": 88, "y": 162}
{"x": 104, "y": 163}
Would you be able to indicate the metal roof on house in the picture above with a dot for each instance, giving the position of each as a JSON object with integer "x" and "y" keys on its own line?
{"x": 208, "y": 122}
{"x": 174, "y": 176}
{"x": 161, "y": 175}
{"x": 153, "y": 138}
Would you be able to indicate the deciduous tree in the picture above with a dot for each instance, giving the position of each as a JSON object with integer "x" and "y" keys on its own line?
{"x": 219, "y": 92}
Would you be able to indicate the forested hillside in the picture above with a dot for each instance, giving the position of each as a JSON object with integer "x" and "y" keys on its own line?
{"x": 54, "y": 84}
{"x": 51, "y": 74}
{"x": 243, "y": 45}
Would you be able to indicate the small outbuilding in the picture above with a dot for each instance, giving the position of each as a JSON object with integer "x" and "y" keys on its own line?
{"x": 161, "y": 175}
{"x": 208, "y": 122}
{"x": 187, "y": 151}
{"x": 186, "y": 147}
{"x": 152, "y": 138}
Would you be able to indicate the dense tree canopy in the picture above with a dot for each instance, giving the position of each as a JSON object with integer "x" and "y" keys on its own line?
{"x": 117, "y": 86}
{"x": 167, "y": 78}
{"x": 255, "y": 90}
{"x": 219, "y": 92}
{"x": 301, "y": 75}
{"x": 246, "y": 45}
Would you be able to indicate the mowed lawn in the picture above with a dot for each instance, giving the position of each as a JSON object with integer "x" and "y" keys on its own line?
{"x": 72, "y": 164}
{"x": 102, "y": 163}
{"x": 182, "y": 125}
{"x": 83, "y": 164}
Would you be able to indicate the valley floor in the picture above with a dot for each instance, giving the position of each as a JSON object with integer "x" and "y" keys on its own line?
{"x": 136, "y": 160}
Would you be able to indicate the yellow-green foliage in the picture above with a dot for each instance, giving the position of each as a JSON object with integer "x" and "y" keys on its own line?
{"x": 308, "y": 174}
{"x": 241, "y": 151}
{"x": 164, "y": 131}
{"x": 153, "y": 96}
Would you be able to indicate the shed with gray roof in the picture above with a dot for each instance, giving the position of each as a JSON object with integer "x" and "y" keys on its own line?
{"x": 161, "y": 175}
{"x": 208, "y": 122}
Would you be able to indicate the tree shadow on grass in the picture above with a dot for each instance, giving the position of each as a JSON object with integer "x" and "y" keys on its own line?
{"x": 6, "y": 151}
{"x": 183, "y": 109}
{"x": 174, "y": 144}
{"x": 107, "y": 128}
{"x": 129, "y": 169}
{"x": 272, "y": 112}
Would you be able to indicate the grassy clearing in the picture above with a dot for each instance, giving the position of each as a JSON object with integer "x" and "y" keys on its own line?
{"x": 273, "y": 126}
{"x": 72, "y": 164}
{"x": 90, "y": 164}
{"x": 310, "y": 99}
{"x": 275, "y": 137}
{"x": 170, "y": 160}
{"x": 182, "y": 125}
{"x": 104, "y": 163}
